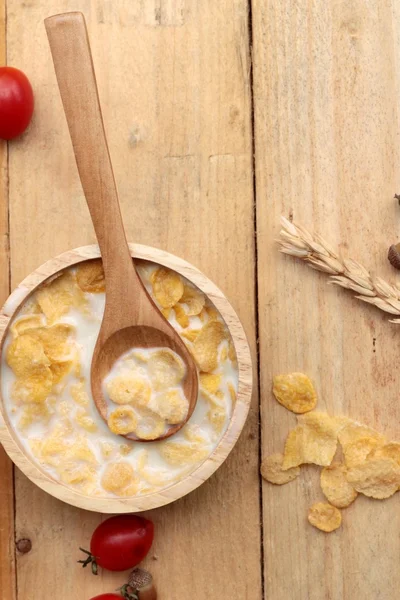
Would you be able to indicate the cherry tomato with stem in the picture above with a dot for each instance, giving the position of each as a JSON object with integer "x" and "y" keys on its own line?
{"x": 119, "y": 543}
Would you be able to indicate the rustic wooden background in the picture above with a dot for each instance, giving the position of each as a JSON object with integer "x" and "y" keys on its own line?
{"x": 221, "y": 116}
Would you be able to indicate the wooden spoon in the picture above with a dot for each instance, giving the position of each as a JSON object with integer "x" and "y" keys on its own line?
{"x": 131, "y": 319}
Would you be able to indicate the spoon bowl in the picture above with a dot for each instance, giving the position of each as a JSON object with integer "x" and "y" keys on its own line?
{"x": 131, "y": 319}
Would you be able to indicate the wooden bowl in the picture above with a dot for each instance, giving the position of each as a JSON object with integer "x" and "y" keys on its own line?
{"x": 190, "y": 482}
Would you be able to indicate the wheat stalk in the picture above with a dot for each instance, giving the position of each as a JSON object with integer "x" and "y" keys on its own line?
{"x": 296, "y": 241}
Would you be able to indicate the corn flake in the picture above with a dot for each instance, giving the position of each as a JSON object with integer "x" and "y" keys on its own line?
{"x": 117, "y": 477}
{"x": 25, "y": 356}
{"x": 26, "y": 322}
{"x": 181, "y": 316}
{"x": 209, "y": 382}
{"x": 34, "y": 388}
{"x": 335, "y": 487}
{"x": 194, "y": 300}
{"x": 205, "y": 347}
{"x": 80, "y": 450}
{"x": 356, "y": 452}
{"x": 55, "y": 340}
{"x": 129, "y": 389}
{"x": 314, "y": 440}
{"x": 85, "y": 421}
{"x": 190, "y": 335}
{"x": 167, "y": 287}
{"x": 377, "y": 478}
{"x": 60, "y": 370}
{"x": 217, "y": 417}
{"x": 79, "y": 394}
{"x": 171, "y": 405}
{"x": 324, "y": 516}
{"x": 177, "y": 453}
{"x": 271, "y": 470}
{"x": 295, "y": 392}
{"x": 56, "y": 297}
{"x": 90, "y": 277}
{"x": 166, "y": 368}
{"x": 123, "y": 420}
{"x": 149, "y": 427}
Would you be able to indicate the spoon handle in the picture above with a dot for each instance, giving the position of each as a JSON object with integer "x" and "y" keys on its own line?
{"x": 70, "y": 48}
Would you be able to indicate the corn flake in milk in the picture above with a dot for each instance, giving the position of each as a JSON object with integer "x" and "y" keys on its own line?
{"x": 47, "y": 396}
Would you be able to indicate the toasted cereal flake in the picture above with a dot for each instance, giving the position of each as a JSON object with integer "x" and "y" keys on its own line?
{"x": 107, "y": 448}
{"x": 85, "y": 421}
{"x": 166, "y": 368}
{"x": 149, "y": 427}
{"x": 389, "y": 450}
{"x": 271, "y": 470}
{"x": 194, "y": 434}
{"x": 178, "y": 453}
{"x": 210, "y": 382}
{"x": 232, "y": 393}
{"x": 75, "y": 474}
{"x": 335, "y": 487}
{"x": 181, "y": 316}
{"x": 59, "y": 295}
{"x": 232, "y": 353}
{"x": 33, "y": 413}
{"x": 314, "y": 440}
{"x": 33, "y": 388}
{"x": 25, "y": 322}
{"x": 295, "y": 392}
{"x": 55, "y": 340}
{"x": 166, "y": 312}
{"x": 60, "y": 370}
{"x": 353, "y": 431}
{"x": 26, "y": 356}
{"x": 125, "y": 449}
{"x": 129, "y": 389}
{"x": 167, "y": 287}
{"x": 80, "y": 450}
{"x": 324, "y": 516}
{"x": 79, "y": 394}
{"x": 194, "y": 300}
{"x": 122, "y": 420}
{"x": 90, "y": 276}
{"x": 191, "y": 334}
{"x": 377, "y": 478}
{"x": 171, "y": 405}
{"x": 205, "y": 347}
{"x": 117, "y": 477}
{"x": 217, "y": 417}
{"x": 356, "y": 452}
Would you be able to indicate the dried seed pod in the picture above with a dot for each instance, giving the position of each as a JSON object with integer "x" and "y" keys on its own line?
{"x": 394, "y": 255}
{"x": 142, "y": 582}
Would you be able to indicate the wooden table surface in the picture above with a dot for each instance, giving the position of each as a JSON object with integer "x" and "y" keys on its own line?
{"x": 202, "y": 178}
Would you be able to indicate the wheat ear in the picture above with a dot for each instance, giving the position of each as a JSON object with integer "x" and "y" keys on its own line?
{"x": 296, "y": 241}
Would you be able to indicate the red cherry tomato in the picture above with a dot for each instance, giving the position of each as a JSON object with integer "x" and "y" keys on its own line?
{"x": 107, "y": 597}
{"x": 16, "y": 102}
{"x": 120, "y": 543}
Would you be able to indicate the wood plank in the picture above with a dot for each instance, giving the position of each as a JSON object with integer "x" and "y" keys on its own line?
{"x": 7, "y": 547}
{"x": 174, "y": 85}
{"x": 326, "y": 125}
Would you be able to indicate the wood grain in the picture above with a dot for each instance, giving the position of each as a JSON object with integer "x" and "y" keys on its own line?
{"x": 173, "y": 79}
{"x": 326, "y": 77}
{"x": 7, "y": 548}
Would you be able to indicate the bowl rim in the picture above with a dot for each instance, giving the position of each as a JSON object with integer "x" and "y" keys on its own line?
{"x": 190, "y": 482}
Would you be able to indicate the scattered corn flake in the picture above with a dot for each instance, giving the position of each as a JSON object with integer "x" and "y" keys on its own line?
{"x": 324, "y": 516}
{"x": 85, "y": 421}
{"x": 295, "y": 392}
{"x": 122, "y": 420}
{"x": 178, "y": 453}
{"x": 166, "y": 368}
{"x": 194, "y": 434}
{"x": 389, "y": 450}
{"x": 212, "y": 313}
{"x": 60, "y": 370}
{"x": 90, "y": 276}
{"x": 217, "y": 417}
{"x": 232, "y": 353}
{"x": 33, "y": 413}
{"x": 224, "y": 351}
{"x": 194, "y": 300}
{"x": 356, "y": 452}
{"x": 128, "y": 388}
{"x": 57, "y": 296}
{"x": 107, "y": 448}
{"x": 26, "y": 356}
{"x": 33, "y": 388}
{"x": 353, "y": 431}
{"x": 271, "y": 470}
{"x": 166, "y": 312}
{"x": 125, "y": 449}
{"x": 167, "y": 287}
{"x": 314, "y": 440}
{"x": 335, "y": 487}
{"x": 171, "y": 405}
{"x": 72, "y": 473}
{"x": 25, "y": 322}
{"x": 132, "y": 489}
{"x": 149, "y": 427}
{"x": 79, "y": 394}
{"x": 117, "y": 477}
{"x": 210, "y": 382}
{"x": 64, "y": 408}
{"x": 190, "y": 335}
{"x": 181, "y": 316}
{"x": 80, "y": 450}
{"x": 377, "y": 478}
{"x": 205, "y": 347}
